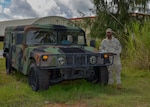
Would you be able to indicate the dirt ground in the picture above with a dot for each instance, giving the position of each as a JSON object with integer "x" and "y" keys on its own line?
{"x": 67, "y": 105}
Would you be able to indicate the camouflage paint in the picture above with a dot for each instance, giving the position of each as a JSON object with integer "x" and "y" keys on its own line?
{"x": 22, "y": 53}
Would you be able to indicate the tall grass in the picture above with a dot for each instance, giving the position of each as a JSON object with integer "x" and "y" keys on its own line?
{"x": 15, "y": 92}
{"x": 138, "y": 45}
{"x": 1, "y": 45}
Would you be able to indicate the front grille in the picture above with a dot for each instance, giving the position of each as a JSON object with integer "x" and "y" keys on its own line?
{"x": 76, "y": 60}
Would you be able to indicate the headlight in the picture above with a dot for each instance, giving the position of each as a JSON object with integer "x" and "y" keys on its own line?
{"x": 45, "y": 57}
{"x": 106, "y": 56}
{"x": 93, "y": 59}
{"x": 61, "y": 60}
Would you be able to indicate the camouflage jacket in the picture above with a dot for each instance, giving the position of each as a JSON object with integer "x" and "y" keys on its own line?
{"x": 112, "y": 46}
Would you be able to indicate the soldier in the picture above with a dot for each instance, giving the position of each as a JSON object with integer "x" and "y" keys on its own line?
{"x": 112, "y": 45}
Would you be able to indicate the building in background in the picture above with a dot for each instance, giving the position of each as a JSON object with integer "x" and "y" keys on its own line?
{"x": 4, "y": 24}
{"x": 86, "y": 24}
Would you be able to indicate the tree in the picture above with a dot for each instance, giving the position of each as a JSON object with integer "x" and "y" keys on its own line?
{"x": 115, "y": 14}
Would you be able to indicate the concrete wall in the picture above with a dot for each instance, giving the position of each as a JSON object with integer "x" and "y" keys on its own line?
{"x": 4, "y": 24}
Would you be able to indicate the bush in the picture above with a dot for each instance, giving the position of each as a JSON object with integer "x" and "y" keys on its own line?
{"x": 1, "y": 45}
{"x": 138, "y": 45}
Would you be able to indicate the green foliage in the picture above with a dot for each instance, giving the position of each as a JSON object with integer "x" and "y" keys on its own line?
{"x": 1, "y": 45}
{"x": 138, "y": 48}
{"x": 98, "y": 43}
{"x": 114, "y": 14}
{"x": 2, "y": 64}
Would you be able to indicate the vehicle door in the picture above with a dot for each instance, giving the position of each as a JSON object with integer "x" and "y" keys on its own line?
{"x": 17, "y": 50}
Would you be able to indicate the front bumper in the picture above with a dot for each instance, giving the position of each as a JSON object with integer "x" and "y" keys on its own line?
{"x": 75, "y": 60}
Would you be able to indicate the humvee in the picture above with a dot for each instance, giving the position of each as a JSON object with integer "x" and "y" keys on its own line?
{"x": 49, "y": 54}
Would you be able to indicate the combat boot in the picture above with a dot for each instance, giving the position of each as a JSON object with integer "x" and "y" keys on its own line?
{"x": 119, "y": 86}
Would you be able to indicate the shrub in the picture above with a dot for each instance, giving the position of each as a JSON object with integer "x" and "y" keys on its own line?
{"x": 138, "y": 45}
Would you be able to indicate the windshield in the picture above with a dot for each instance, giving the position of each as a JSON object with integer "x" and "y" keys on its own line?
{"x": 41, "y": 37}
{"x": 63, "y": 37}
{"x": 71, "y": 37}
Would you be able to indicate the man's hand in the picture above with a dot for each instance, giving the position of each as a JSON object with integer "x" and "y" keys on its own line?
{"x": 112, "y": 54}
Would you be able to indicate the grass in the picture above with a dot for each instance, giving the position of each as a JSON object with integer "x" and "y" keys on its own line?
{"x": 1, "y": 45}
{"x": 137, "y": 46}
{"x": 14, "y": 91}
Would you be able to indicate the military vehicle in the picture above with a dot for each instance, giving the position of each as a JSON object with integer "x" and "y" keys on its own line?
{"x": 49, "y": 54}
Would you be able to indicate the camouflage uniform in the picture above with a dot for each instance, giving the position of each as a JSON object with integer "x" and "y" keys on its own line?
{"x": 113, "y": 46}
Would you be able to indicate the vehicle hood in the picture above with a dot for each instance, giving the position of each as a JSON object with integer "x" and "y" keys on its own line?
{"x": 37, "y": 52}
{"x": 62, "y": 49}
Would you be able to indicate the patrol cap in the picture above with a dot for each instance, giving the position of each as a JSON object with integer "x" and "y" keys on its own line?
{"x": 109, "y": 30}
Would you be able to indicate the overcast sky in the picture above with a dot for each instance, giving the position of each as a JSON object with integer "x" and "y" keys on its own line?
{"x": 23, "y": 9}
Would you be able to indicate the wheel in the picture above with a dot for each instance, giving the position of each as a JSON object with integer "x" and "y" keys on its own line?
{"x": 94, "y": 76}
{"x": 8, "y": 64}
{"x": 38, "y": 79}
{"x": 103, "y": 75}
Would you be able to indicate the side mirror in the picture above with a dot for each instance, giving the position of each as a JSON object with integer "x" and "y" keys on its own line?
{"x": 93, "y": 43}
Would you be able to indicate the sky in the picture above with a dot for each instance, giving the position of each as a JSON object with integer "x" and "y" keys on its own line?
{"x": 23, "y": 9}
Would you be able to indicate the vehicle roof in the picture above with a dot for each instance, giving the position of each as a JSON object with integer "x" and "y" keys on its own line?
{"x": 36, "y": 26}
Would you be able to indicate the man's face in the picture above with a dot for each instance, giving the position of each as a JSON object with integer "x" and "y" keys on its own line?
{"x": 109, "y": 35}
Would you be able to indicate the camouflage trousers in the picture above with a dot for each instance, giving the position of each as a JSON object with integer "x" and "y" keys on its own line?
{"x": 115, "y": 72}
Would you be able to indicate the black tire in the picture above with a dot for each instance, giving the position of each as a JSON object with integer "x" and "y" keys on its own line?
{"x": 8, "y": 64}
{"x": 38, "y": 79}
{"x": 95, "y": 76}
{"x": 103, "y": 75}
